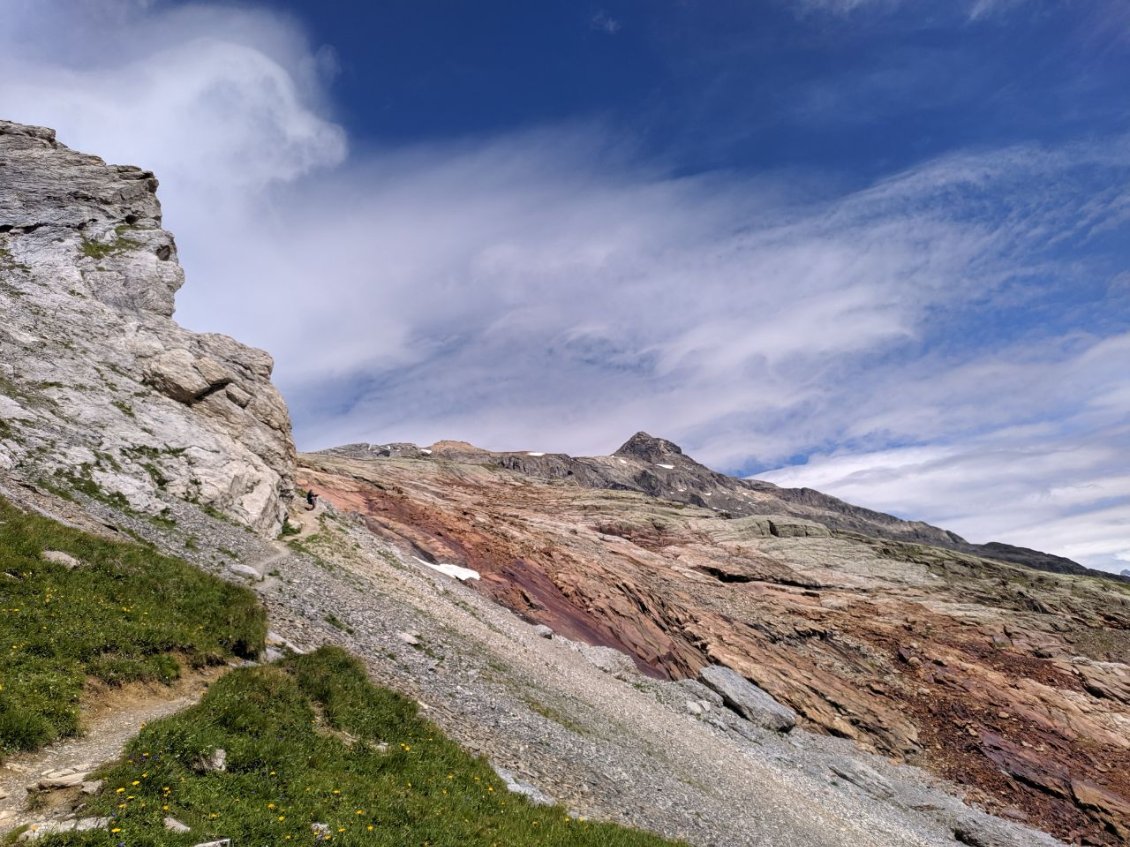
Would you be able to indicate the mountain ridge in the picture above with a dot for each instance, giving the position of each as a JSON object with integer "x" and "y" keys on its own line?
{"x": 662, "y": 469}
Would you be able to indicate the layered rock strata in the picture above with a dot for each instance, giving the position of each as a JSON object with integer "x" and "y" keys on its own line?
{"x": 100, "y": 389}
{"x": 658, "y": 467}
{"x": 1012, "y": 681}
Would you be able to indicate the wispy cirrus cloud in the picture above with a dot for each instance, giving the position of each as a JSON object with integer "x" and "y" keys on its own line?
{"x": 920, "y": 338}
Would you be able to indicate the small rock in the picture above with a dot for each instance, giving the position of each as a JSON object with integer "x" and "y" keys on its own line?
{"x": 222, "y": 842}
{"x": 60, "y": 772}
{"x": 217, "y": 760}
{"x": 543, "y": 631}
{"x": 749, "y": 701}
{"x": 92, "y": 786}
{"x": 864, "y": 777}
{"x": 42, "y": 828}
{"x": 84, "y": 824}
{"x": 409, "y": 639}
{"x": 238, "y": 396}
{"x": 51, "y": 783}
{"x": 60, "y": 558}
{"x": 36, "y": 831}
{"x": 173, "y": 825}
{"x": 245, "y": 571}
{"x": 534, "y": 795}
{"x": 694, "y": 708}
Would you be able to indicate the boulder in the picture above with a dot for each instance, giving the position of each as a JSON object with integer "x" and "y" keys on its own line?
{"x": 749, "y": 701}
{"x": 60, "y": 558}
{"x": 245, "y": 571}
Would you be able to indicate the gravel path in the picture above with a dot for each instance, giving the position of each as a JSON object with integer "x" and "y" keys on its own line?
{"x": 110, "y": 723}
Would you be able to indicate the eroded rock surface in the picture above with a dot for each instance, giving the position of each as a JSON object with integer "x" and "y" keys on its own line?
{"x": 1010, "y": 680}
{"x": 99, "y": 388}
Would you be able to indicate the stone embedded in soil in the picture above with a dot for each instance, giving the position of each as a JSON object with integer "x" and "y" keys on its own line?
{"x": 173, "y": 825}
{"x": 60, "y": 558}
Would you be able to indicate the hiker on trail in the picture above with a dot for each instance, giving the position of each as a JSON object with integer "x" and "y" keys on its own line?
{"x": 311, "y": 499}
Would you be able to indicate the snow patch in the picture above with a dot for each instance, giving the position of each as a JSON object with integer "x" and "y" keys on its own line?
{"x": 535, "y": 454}
{"x": 425, "y": 451}
{"x": 669, "y": 467}
{"x": 460, "y": 573}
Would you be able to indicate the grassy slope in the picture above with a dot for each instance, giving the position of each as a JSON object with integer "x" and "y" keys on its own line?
{"x": 302, "y": 748}
{"x": 128, "y": 614}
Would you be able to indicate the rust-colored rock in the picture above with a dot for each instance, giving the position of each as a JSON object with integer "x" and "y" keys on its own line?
{"x": 1012, "y": 681}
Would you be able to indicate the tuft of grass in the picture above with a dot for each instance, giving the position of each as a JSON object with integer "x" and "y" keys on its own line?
{"x": 123, "y": 407}
{"x": 311, "y": 740}
{"x": 128, "y": 614}
{"x": 100, "y": 250}
{"x": 8, "y": 263}
{"x": 84, "y": 483}
{"x": 336, "y": 622}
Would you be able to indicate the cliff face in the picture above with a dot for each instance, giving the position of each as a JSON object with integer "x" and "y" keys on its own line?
{"x": 1010, "y": 680}
{"x": 99, "y": 389}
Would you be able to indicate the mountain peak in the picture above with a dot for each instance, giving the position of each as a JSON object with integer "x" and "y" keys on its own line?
{"x": 648, "y": 447}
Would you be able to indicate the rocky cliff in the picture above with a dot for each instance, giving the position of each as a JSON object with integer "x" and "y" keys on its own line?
{"x": 100, "y": 389}
{"x": 1011, "y": 680}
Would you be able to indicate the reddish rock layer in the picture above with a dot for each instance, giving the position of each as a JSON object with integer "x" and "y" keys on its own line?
{"x": 1010, "y": 681}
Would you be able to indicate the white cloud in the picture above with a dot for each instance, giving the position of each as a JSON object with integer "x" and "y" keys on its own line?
{"x": 1042, "y": 462}
{"x": 604, "y": 22}
{"x": 546, "y": 290}
{"x": 973, "y": 9}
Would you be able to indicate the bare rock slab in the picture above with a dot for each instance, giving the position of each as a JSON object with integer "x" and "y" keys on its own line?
{"x": 749, "y": 701}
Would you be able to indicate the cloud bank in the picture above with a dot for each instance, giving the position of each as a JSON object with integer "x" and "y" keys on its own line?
{"x": 948, "y": 343}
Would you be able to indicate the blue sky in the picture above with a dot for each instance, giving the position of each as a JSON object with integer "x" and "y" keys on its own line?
{"x": 877, "y": 247}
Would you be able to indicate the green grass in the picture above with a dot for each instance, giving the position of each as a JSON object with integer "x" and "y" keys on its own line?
{"x": 129, "y": 614}
{"x": 302, "y": 747}
{"x": 100, "y": 250}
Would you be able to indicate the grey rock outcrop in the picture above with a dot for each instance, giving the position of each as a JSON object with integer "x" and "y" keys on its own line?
{"x": 99, "y": 389}
{"x": 747, "y": 699}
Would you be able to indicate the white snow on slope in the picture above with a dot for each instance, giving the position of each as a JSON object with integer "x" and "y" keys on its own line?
{"x": 460, "y": 573}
